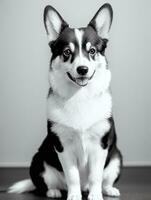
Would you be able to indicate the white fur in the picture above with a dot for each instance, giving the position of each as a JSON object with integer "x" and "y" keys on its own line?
{"x": 53, "y": 178}
{"x": 22, "y": 186}
{"x": 79, "y": 174}
{"x": 97, "y": 158}
{"x": 53, "y": 193}
{"x": 79, "y": 141}
{"x": 81, "y": 150}
{"x": 79, "y": 35}
{"x": 79, "y": 107}
{"x": 53, "y": 24}
{"x": 103, "y": 21}
{"x": 79, "y": 112}
{"x": 88, "y": 45}
{"x": 67, "y": 88}
{"x": 80, "y": 115}
{"x": 69, "y": 164}
{"x": 81, "y": 60}
{"x": 110, "y": 174}
{"x": 72, "y": 47}
{"x": 111, "y": 191}
{"x": 111, "y": 171}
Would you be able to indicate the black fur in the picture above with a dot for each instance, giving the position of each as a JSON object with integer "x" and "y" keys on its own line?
{"x": 36, "y": 168}
{"x": 90, "y": 35}
{"x": 63, "y": 41}
{"x": 47, "y": 154}
{"x": 50, "y": 91}
{"x": 109, "y": 141}
{"x": 68, "y": 35}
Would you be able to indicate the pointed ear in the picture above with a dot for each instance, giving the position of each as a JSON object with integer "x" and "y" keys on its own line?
{"x": 102, "y": 20}
{"x": 54, "y": 23}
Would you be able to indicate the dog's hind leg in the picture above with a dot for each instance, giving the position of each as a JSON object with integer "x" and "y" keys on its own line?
{"x": 55, "y": 181}
{"x": 47, "y": 179}
{"x": 111, "y": 174}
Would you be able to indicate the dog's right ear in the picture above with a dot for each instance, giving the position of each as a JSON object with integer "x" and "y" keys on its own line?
{"x": 54, "y": 23}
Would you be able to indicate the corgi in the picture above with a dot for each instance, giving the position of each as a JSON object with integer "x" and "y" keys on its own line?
{"x": 79, "y": 152}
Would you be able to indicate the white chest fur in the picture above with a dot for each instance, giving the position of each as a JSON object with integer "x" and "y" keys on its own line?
{"x": 79, "y": 143}
{"x": 81, "y": 111}
{"x": 80, "y": 122}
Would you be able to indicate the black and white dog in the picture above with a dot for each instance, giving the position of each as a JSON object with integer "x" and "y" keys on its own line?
{"x": 79, "y": 152}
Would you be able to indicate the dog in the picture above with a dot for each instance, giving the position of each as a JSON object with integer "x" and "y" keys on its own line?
{"x": 80, "y": 151}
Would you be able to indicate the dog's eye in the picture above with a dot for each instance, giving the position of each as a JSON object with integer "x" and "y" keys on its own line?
{"x": 67, "y": 52}
{"x": 92, "y": 51}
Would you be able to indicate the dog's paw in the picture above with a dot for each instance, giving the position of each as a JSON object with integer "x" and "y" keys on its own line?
{"x": 53, "y": 193}
{"x": 74, "y": 197}
{"x": 111, "y": 191}
{"x": 95, "y": 196}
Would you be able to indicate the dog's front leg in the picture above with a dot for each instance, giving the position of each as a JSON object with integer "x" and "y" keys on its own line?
{"x": 97, "y": 157}
{"x": 71, "y": 172}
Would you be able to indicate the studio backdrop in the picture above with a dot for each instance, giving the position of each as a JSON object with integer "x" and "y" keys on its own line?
{"x": 24, "y": 62}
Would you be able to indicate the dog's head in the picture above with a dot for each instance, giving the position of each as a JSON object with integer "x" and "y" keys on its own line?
{"x": 78, "y": 55}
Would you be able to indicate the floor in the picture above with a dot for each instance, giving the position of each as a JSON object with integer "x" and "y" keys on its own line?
{"x": 135, "y": 184}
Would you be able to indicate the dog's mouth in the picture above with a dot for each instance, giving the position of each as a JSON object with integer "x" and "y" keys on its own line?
{"x": 82, "y": 80}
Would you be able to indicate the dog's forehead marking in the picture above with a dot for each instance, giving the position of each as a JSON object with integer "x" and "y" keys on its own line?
{"x": 72, "y": 46}
{"x": 88, "y": 45}
{"x": 79, "y": 36}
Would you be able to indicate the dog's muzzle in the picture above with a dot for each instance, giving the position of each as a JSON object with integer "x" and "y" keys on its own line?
{"x": 82, "y": 80}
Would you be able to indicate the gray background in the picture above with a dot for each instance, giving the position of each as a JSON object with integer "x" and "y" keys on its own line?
{"x": 24, "y": 58}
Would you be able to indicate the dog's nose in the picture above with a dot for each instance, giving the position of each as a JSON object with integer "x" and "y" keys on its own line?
{"x": 82, "y": 70}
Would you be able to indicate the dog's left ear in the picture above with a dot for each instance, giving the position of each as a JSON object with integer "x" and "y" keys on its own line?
{"x": 102, "y": 20}
{"x": 54, "y": 23}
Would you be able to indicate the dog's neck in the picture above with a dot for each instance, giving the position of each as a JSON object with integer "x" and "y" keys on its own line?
{"x": 81, "y": 111}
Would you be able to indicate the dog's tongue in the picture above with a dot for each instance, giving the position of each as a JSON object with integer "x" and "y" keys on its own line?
{"x": 82, "y": 82}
